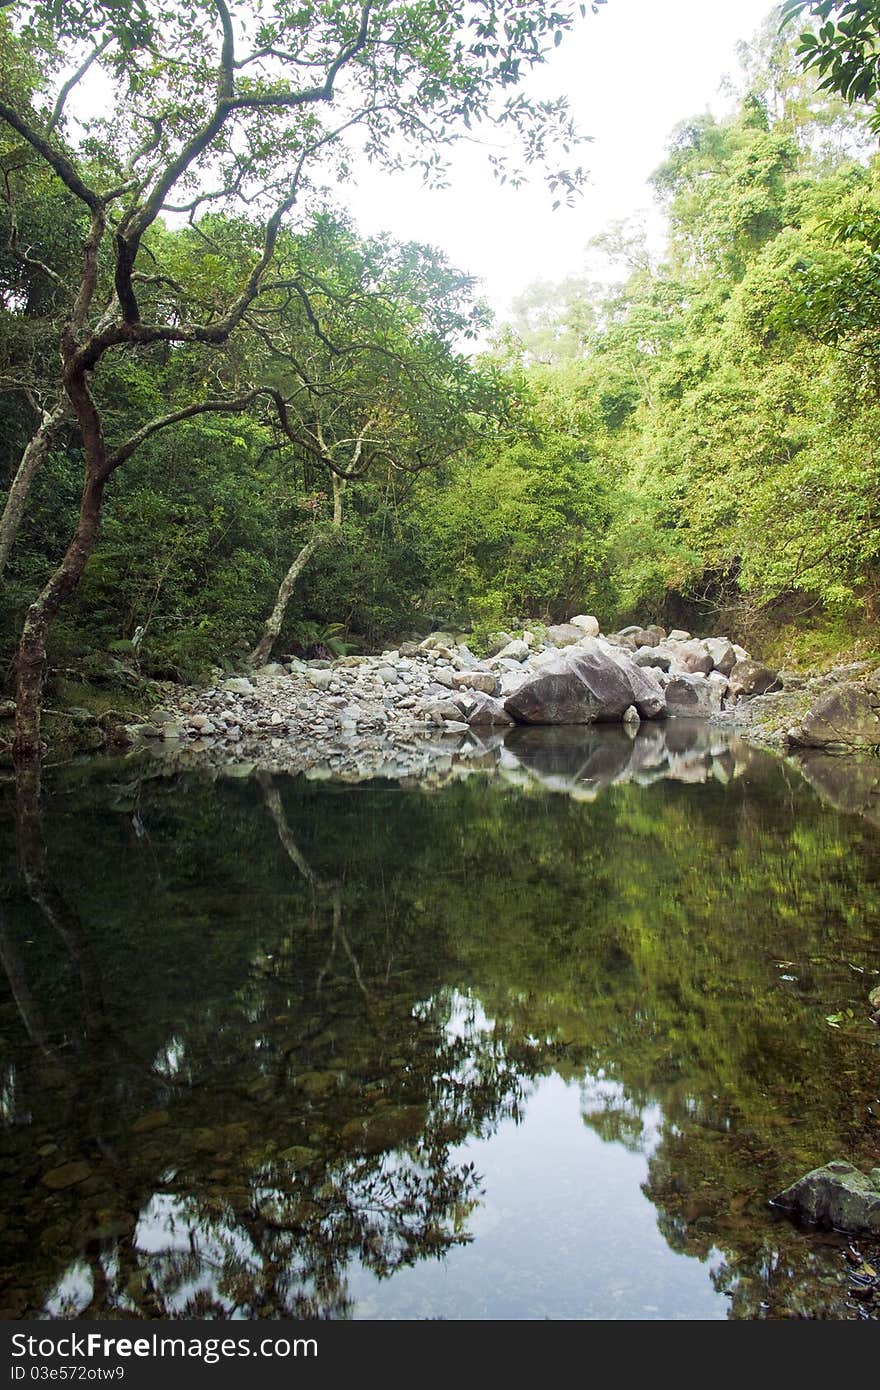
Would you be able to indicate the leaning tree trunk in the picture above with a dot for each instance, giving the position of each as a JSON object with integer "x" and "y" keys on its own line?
{"x": 34, "y": 453}
{"x": 31, "y": 659}
{"x": 263, "y": 650}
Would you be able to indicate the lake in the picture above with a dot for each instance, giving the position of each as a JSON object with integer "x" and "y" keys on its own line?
{"x": 535, "y": 1035}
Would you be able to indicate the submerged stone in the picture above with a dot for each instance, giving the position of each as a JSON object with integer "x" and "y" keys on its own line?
{"x": 68, "y": 1175}
{"x": 402, "y": 1124}
{"x": 317, "y": 1083}
{"x": 298, "y": 1156}
{"x": 154, "y": 1120}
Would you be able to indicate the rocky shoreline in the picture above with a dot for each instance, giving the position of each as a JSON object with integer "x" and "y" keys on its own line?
{"x": 385, "y": 706}
{"x": 392, "y": 713}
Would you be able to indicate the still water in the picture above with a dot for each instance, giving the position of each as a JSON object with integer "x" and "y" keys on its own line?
{"x": 535, "y": 1036}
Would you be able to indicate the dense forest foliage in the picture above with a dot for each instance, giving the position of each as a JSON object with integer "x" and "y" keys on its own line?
{"x": 693, "y": 439}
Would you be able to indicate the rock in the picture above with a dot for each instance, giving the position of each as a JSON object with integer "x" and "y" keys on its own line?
{"x": 566, "y": 634}
{"x": 498, "y": 641}
{"x": 631, "y": 716}
{"x": 693, "y": 695}
{"x": 751, "y": 678}
{"x": 156, "y": 1119}
{"x": 475, "y": 680}
{"x": 438, "y": 710}
{"x": 653, "y": 657}
{"x": 588, "y": 625}
{"x": 298, "y": 1156}
{"x": 317, "y": 1083}
{"x": 848, "y": 717}
{"x": 689, "y": 657}
{"x": 585, "y": 686}
{"x": 722, "y": 654}
{"x": 514, "y": 651}
{"x": 443, "y": 675}
{"x": 320, "y": 680}
{"x": 68, "y": 1175}
{"x": 437, "y": 639}
{"x": 838, "y": 1196}
{"x": 488, "y": 711}
{"x": 133, "y": 732}
{"x": 468, "y": 661}
{"x": 678, "y": 634}
{"x": 649, "y": 636}
{"x": 387, "y": 1129}
{"x": 239, "y": 685}
{"x": 163, "y": 716}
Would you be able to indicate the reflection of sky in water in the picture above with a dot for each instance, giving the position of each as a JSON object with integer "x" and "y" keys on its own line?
{"x": 564, "y": 1231}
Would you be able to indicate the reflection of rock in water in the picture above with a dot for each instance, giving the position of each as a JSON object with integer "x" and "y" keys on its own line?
{"x": 848, "y": 782}
{"x": 571, "y": 754}
{"x": 577, "y": 758}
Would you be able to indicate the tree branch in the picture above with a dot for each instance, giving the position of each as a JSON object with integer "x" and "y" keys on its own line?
{"x": 72, "y": 81}
{"x": 63, "y": 167}
{"x": 231, "y": 405}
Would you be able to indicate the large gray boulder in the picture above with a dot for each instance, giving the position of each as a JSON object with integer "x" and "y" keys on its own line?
{"x": 722, "y": 654}
{"x": 691, "y": 657}
{"x": 517, "y": 650}
{"x": 837, "y": 1195}
{"x": 475, "y": 680}
{"x": 486, "y": 710}
{"x": 497, "y": 642}
{"x": 847, "y": 717}
{"x": 653, "y": 656}
{"x": 693, "y": 695}
{"x": 586, "y": 685}
{"x": 751, "y": 678}
{"x": 649, "y": 636}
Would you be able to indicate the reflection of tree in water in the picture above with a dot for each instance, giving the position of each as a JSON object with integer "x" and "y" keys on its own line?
{"x": 341, "y": 1091}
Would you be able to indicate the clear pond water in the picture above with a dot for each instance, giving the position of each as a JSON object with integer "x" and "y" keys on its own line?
{"x": 536, "y": 1036}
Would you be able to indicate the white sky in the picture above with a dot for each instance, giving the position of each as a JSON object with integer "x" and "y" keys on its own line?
{"x": 631, "y": 72}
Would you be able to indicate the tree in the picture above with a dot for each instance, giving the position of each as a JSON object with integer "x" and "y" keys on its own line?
{"x": 225, "y": 107}
{"x": 370, "y": 377}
